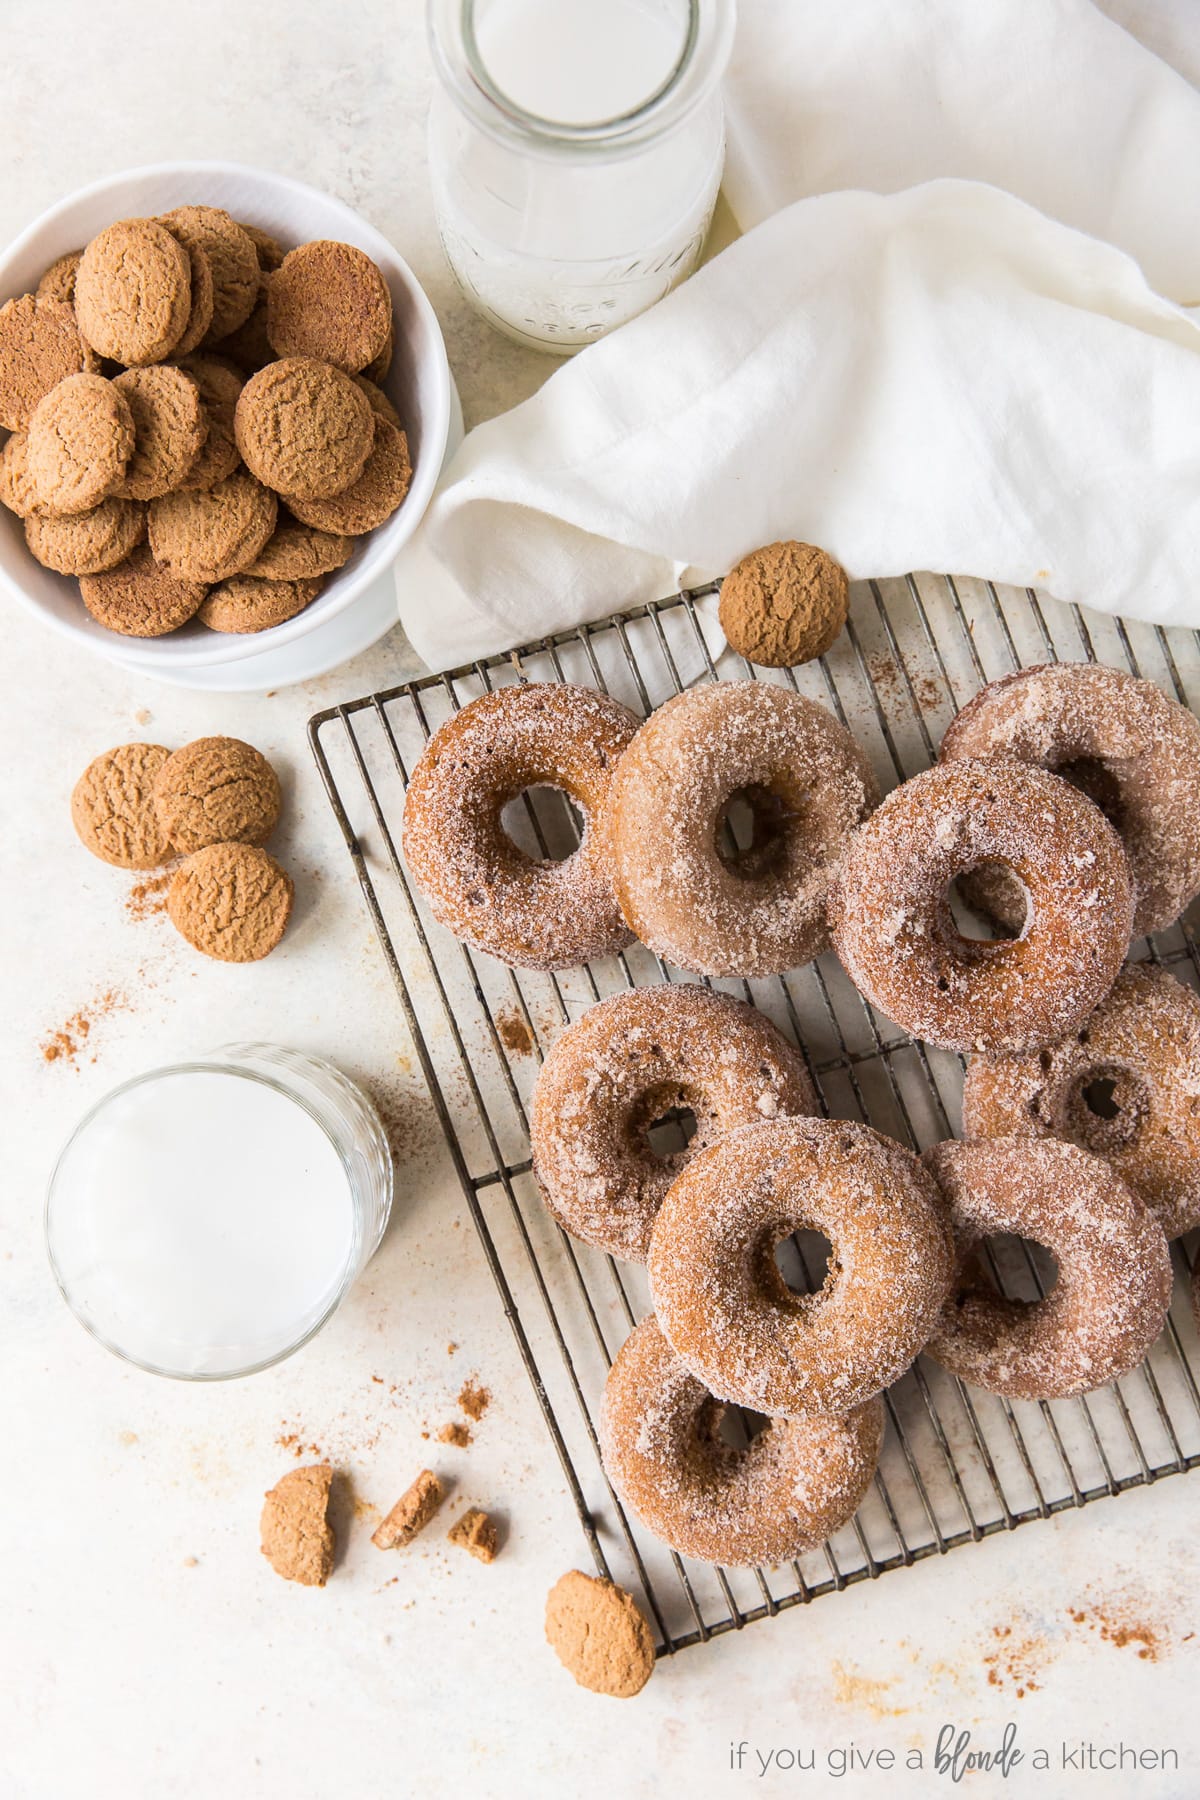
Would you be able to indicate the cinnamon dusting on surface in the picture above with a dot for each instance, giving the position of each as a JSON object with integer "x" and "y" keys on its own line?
{"x": 474, "y": 1399}
{"x": 69, "y": 1042}
{"x": 146, "y": 898}
{"x": 1016, "y": 1661}
{"x": 455, "y": 1433}
{"x": 514, "y": 1032}
{"x": 850, "y": 1688}
{"x": 1123, "y": 1633}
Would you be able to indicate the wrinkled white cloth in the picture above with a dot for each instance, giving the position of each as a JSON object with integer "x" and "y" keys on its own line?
{"x": 955, "y": 336}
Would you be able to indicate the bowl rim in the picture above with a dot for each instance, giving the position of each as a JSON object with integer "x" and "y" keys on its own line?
{"x": 435, "y": 423}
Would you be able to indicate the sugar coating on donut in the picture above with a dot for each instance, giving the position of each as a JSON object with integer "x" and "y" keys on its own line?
{"x": 808, "y": 784}
{"x": 1132, "y": 750}
{"x": 795, "y": 1484}
{"x": 723, "y": 1303}
{"x": 896, "y": 936}
{"x": 479, "y": 884}
{"x": 1126, "y": 1086}
{"x": 1110, "y": 1300}
{"x": 621, "y": 1067}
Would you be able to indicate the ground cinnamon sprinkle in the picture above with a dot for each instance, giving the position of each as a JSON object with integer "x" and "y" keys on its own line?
{"x": 514, "y": 1032}
{"x": 1016, "y": 1661}
{"x": 474, "y": 1399}
{"x": 70, "y": 1040}
{"x": 148, "y": 897}
{"x": 1147, "y": 1639}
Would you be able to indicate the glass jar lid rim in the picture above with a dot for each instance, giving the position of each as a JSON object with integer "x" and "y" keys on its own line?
{"x": 701, "y": 62}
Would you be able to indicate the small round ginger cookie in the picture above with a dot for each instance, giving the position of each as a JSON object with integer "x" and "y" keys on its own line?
{"x": 231, "y": 257}
{"x": 373, "y": 498}
{"x": 217, "y": 790}
{"x": 244, "y": 603}
{"x": 17, "y": 490}
{"x": 219, "y": 385}
{"x": 58, "y": 283}
{"x": 378, "y": 401}
{"x": 330, "y": 301}
{"x": 112, "y": 807}
{"x": 200, "y": 315}
{"x": 169, "y": 428}
{"x": 40, "y": 346}
{"x": 269, "y": 250}
{"x": 784, "y": 604}
{"x": 210, "y": 534}
{"x": 139, "y": 598}
{"x": 231, "y": 901}
{"x": 599, "y": 1634}
{"x": 86, "y": 543}
{"x": 80, "y": 440}
{"x": 297, "y": 553}
{"x": 133, "y": 292}
{"x": 304, "y": 428}
{"x": 249, "y": 346}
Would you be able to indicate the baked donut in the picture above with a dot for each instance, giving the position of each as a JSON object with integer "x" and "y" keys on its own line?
{"x": 895, "y": 933}
{"x": 723, "y": 1303}
{"x": 622, "y": 1066}
{"x": 538, "y": 915}
{"x": 1126, "y": 1087}
{"x": 797, "y": 1482}
{"x": 1114, "y": 1269}
{"x": 807, "y": 785}
{"x": 1122, "y": 743}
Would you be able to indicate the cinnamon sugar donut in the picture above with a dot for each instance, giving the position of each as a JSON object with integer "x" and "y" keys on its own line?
{"x": 1122, "y": 743}
{"x": 537, "y": 915}
{"x": 795, "y": 1484}
{"x": 723, "y": 1303}
{"x": 1126, "y": 1087}
{"x": 622, "y": 1066}
{"x": 807, "y": 784}
{"x": 895, "y": 933}
{"x": 1110, "y": 1300}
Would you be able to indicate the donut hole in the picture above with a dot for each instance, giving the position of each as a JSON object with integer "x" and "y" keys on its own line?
{"x": 543, "y": 823}
{"x": 987, "y": 903}
{"x": 1107, "y": 1107}
{"x": 1090, "y": 776}
{"x": 805, "y": 1262}
{"x": 1019, "y": 1268}
{"x": 753, "y": 831}
{"x": 736, "y": 1427}
{"x": 665, "y": 1121}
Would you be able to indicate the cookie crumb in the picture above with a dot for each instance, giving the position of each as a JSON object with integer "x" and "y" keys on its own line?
{"x": 411, "y": 1513}
{"x": 455, "y": 1433}
{"x": 784, "y": 604}
{"x": 297, "y": 1539}
{"x": 475, "y": 1532}
{"x": 599, "y": 1634}
{"x": 191, "y": 1562}
{"x": 474, "y": 1399}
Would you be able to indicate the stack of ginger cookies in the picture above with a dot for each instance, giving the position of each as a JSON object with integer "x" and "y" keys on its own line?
{"x": 213, "y": 804}
{"x": 197, "y": 429}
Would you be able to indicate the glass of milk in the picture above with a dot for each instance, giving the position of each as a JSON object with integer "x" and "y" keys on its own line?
{"x": 575, "y": 152}
{"x": 205, "y": 1220}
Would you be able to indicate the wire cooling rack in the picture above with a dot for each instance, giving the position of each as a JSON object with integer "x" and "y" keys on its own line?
{"x": 958, "y": 1464}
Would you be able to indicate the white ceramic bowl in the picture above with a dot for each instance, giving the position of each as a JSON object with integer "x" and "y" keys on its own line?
{"x": 418, "y": 384}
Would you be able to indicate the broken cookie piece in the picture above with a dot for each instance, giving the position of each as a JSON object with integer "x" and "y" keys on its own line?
{"x": 411, "y": 1513}
{"x": 599, "y": 1634}
{"x": 297, "y": 1539}
{"x": 475, "y": 1532}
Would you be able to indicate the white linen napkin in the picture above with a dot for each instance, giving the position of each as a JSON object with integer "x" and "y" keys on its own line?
{"x": 932, "y": 374}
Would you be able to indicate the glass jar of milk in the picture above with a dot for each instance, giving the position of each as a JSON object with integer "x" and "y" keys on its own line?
{"x": 575, "y": 152}
{"x": 206, "y": 1219}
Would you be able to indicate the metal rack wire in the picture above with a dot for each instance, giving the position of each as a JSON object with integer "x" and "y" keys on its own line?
{"x": 958, "y": 1465}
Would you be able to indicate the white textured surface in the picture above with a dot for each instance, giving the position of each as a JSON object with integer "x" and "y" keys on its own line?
{"x": 127, "y": 1670}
